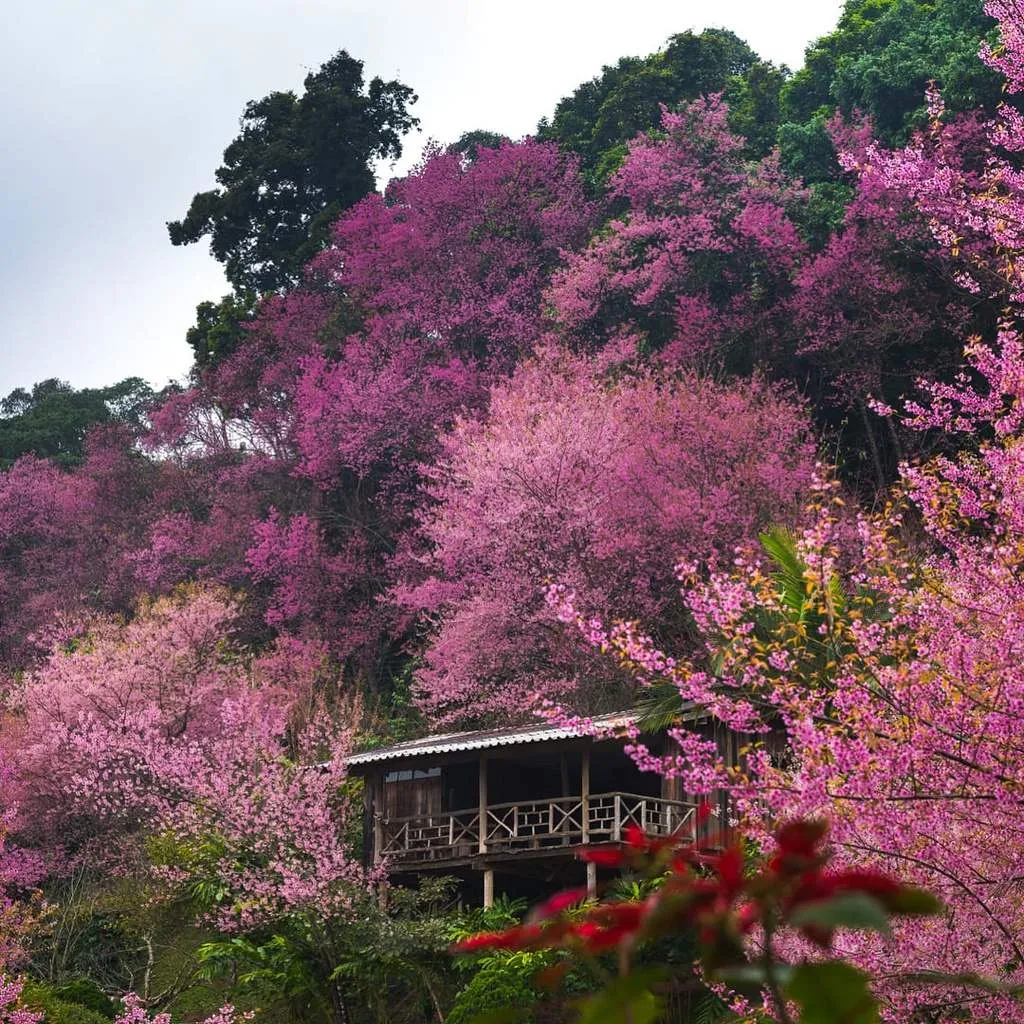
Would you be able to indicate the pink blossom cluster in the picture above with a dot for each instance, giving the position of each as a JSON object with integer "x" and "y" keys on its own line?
{"x": 160, "y": 727}
{"x": 11, "y": 1010}
{"x": 975, "y": 212}
{"x": 133, "y": 1011}
{"x": 890, "y": 668}
{"x": 704, "y": 251}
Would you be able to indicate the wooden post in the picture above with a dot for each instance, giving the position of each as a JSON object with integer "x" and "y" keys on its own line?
{"x": 585, "y": 798}
{"x": 488, "y": 872}
{"x": 377, "y": 800}
{"x": 482, "y": 847}
{"x": 591, "y": 878}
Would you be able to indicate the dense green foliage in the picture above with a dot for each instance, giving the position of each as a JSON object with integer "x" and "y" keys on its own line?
{"x": 881, "y": 57}
{"x": 51, "y": 421}
{"x": 218, "y": 329}
{"x": 76, "y": 1002}
{"x": 296, "y": 164}
{"x": 469, "y": 143}
{"x": 602, "y": 115}
{"x": 878, "y": 61}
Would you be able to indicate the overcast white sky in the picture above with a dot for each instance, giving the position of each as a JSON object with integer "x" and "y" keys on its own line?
{"x": 114, "y": 112}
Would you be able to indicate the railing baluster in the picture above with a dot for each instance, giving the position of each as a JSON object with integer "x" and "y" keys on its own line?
{"x": 617, "y": 818}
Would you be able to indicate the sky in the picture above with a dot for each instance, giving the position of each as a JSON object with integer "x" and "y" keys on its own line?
{"x": 113, "y": 113}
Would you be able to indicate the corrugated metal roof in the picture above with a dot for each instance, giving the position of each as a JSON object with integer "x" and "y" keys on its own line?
{"x": 447, "y": 743}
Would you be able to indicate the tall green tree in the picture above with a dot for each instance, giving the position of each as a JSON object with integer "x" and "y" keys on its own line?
{"x": 602, "y": 115}
{"x": 296, "y": 164}
{"x": 470, "y": 143}
{"x": 881, "y": 56}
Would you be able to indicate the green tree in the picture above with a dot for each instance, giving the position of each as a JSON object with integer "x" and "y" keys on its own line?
{"x": 386, "y": 965}
{"x": 881, "y": 57}
{"x": 218, "y": 329}
{"x": 296, "y": 164}
{"x": 602, "y": 115}
{"x": 51, "y": 421}
{"x": 468, "y": 143}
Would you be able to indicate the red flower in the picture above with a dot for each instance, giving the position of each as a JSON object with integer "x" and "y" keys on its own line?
{"x": 526, "y": 936}
{"x": 703, "y": 811}
{"x": 801, "y": 837}
{"x": 747, "y": 916}
{"x": 874, "y": 883}
{"x": 485, "y": 940}
{"x": 595, "y": 938}
{"x": 637, "y": 838}
{"x": 817, "y": 886}
{"x": 605, "y": 856}
{"x": 797, "y": 847}
{"x": 729, "y": 868}
{"x": 620, "y": 915}
{"x": 559, "y": 902}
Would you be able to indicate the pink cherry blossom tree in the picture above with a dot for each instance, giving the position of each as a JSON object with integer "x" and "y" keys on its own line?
{"x": 11, "y": 1009}
{"x": 702, "y": 255}
{"x": 299, "y": 452}
{"x": 591, "y": 473}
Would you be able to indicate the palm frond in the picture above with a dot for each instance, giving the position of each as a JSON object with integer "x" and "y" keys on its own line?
{"x": 790, "y": 570}
{"x": 659, "y": 707}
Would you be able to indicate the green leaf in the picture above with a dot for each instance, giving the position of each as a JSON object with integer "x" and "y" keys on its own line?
{"x": 750, "y": 980}
{"x": 790, "y": 572}
{"x": 749, "y": 976}
{"x": 964, "y": 980}
{"x": 506, "y": 1015}
{"x": 832, "y": 992}
{"x": 626, "y": 998}
{"x": 846, "y": 910}
{"x": 908, "y": 899}
{"x": 659, "y": 707}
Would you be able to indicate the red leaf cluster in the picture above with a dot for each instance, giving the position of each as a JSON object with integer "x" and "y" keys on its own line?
{"x": 722, "y": 895}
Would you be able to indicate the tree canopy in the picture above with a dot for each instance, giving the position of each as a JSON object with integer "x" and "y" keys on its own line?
{"x": 51, "y": 421}
{"x": 881, "y": 57}
{"x": 602, "y": 115}
{"x": 296, "y": 164}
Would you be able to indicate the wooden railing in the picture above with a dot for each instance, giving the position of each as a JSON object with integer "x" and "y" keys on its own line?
{"x": 538, "y": 825}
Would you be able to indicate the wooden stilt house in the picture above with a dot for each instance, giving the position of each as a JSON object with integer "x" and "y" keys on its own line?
{"x": 509, "y": 809}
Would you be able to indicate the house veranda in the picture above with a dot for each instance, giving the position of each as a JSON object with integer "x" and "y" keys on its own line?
{"x": 508, "y": 810}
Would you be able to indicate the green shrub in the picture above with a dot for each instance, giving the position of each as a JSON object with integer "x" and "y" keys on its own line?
{"x": 86, "y": 992}
{"x": 502, "y": 981}
{"x": 46, "y": 1000}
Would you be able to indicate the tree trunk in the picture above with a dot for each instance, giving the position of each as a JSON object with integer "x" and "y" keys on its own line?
{"x": 876, "y": 456}
{"x": 339, "y": 1011}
